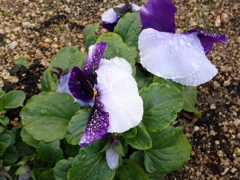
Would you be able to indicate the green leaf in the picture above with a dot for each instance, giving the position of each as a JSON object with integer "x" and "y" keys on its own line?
{"x": 6, "y": 138}
{"x": 71, "y": 150}
{"x": 1, "y": 92}
{"x": 77, "y": 126}
{"x": 46, "y": 115}
{"x": 21, "y": 62}
{"x": 50, "y": 152}
{"x": 143, "y": 79}
{"x": 155, "y": 176}
{"x": 141, "y": 141}
{"x": 130, "y": 133}
{"x": 3, "y": 147}
{"x": 169, "y": 152}
{"x": 22, "y": 147}
{"x": 4, "y": 120}
{"x": 47, "y": 175}
{"x": 21, "y": 170}
{"x": 116, "y": 47}
{"x": 129, "y": 27}
{"x": 10, "y": 156}
{"x": 118, "y": 148}
{"x": 130, "y": 171}
{"x": 89, "y": 36}
{"x": 61, "y": 168}
{"x": 161, "y": 105}
{"x": 138, "y": 157}
{"x": 49, "y": 81}
{"x": 26, "y": 137}
{"x": 189, "y": 94}
{"x": 13, "y": 99}
{"x": 67, "y": 58}
{"x": 90, "y": 164}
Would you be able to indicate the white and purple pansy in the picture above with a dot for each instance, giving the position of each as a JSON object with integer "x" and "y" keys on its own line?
{"x": 107, "y": 86}
{"x": 180, "y": 57}
{"x": 110, "y": 17}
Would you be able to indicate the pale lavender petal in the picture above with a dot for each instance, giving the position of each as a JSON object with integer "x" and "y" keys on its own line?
{"x": 170, "y": 56}
{"x": 98, "y": 123}
{"x": 208, "y": 39}
{"x": 159, "y": 15}
{"x": 91, "y": 64}
{"x": 110, "y": 17}
{"x": 112, "y": 158}
{"x": 80, "y": 86}
{"x": 63, "y": 87}
{"x": 204, "y": 74}
{"x": 119, "y": 94}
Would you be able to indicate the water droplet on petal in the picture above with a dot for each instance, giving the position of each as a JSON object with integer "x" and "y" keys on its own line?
{"x": 181, "y": 42}
{"x": 189, "y": 44}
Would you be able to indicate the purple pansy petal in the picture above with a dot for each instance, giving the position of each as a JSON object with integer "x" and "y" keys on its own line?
{"x": 91, "y": 64}
{"x": 208, "y": 39}
{"x": 159, "y": 15}
{"x": 109, "y": 27}
{"x": 112, "y": 158}
{"x": 80, "y": 86}
{"x": 119, "y": 94}
{"x": 63, "y": 87}
{"x": 98, "y": 123}
{"x": 169, "y": 55}
{"x": 204, "y": 74}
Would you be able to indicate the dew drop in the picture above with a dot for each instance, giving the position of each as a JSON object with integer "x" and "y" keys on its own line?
{"x": 189, "y": 44}
{"x": 181, "y": 42}
{"x": 68, "y": 99}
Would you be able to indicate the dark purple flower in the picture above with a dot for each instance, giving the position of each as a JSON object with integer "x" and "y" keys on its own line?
{"x": 180, "y": 57}
{"x": 107, "y": 86}
{"x": 110, "y": 17}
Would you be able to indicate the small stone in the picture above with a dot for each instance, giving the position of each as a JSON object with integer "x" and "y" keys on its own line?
{"x": 236, "y": 122}
{"x": 226, "y": 68}
{"x": 218, "y": 21}
{"x": 39, "y": 54}
{"x": 212, "y": 133}
{"x": 238, "y": 136}
{"x": 216, "y": 84}
{"x": 26, "y": 24}
{"x": 46, "y": 45}
{"x": 213, "y": 106}
{"x": 13, "y": 79}
{"x": 220, "y": 153}
{"x": 13, "y": 45}
{"x": 16, "y": 29}
{"x": 217, "y": 142}
{"x": 41, "y": 19}
{"x": 227, "y": 83}
{"x": 196, "y": 128}
{"x": 44, "y": 62}
{"x": 224, "y": 18}
{"x": 68, "y": 10}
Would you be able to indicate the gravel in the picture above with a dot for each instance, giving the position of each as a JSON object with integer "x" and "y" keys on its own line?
{"x": 36, "y": 30}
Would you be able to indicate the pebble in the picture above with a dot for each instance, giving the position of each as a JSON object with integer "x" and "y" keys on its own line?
{"x": 16, "y": 28}
{"x": 46, "y": 45}
{"x": 218, "y": 21}
{"x": 13, "y": 45}
{"x": 236, "y": 122}
{"x": 227, "y": 83}
{"x": 26, "y": 24}
{"x": 39, "y": 54}
{"x": 68, "y": 10}
{"x": 196, "y": 128}
{"x": 13, "y": 79}
{"x": 213, "y": 106}
{"x": 224, "y": 18}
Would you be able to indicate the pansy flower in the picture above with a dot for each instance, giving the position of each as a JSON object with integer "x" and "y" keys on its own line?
{"x": 111, "y": 17}
{"x": 180, "y": 57}
{"x": 107, "y": 86}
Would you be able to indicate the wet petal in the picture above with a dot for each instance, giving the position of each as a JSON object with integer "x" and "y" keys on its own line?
{"x": 170, "y": 56}
{"x": 204, "y": 74}
{"x": 159, "y": 15}
{"x": 98, "y": 123}
{"x": 80, "y": 86}
{"x": 112, "y": 158}
{"x": 208, "y": 39}
{"x": 63, "y": 87}
{"x": 91, "y": 64}
{"x": 119, "y": 94}
{"x": 110, "y": 17}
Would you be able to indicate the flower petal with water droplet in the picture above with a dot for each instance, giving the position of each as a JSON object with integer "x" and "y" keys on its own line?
{"x": 98, "y": 123}
{"x": 63, "y": 87}
{"x": 91, "y": 64}
{"x": 119, "y": 94}
{"x": 170, "y": 56}
{"x": 208, "y": 39}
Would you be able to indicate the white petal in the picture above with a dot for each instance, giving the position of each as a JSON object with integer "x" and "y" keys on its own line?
{"x": 135, "y": 7}
{"x": 63, "y": 87}
{"x": 170, "y": 55}
{"x": 204, "y": 74}
{"x": 110, "y": 16}
{"x": 112, "y": 158}
{"x": 119, "y": 94}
